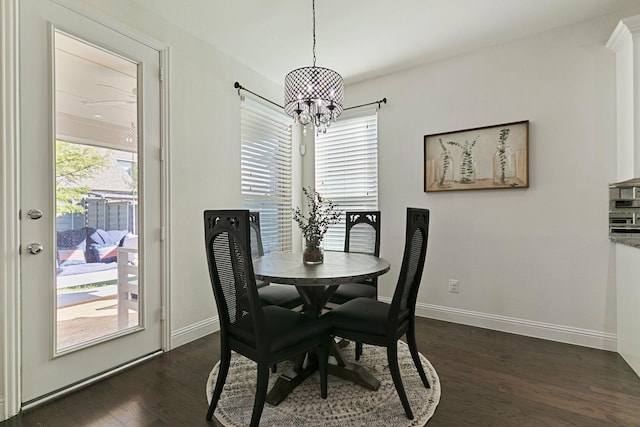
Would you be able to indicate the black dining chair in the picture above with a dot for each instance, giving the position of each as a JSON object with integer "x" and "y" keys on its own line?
{"x": 264, "y": 334}
{"x": 270, "y": 293}
{"x": 362, "y": 235}
{"x": 378, "y": 323}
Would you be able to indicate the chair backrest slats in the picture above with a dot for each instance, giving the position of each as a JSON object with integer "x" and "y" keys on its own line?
{"x": 256, "y": 236}
{"x": 415, "y": 249}
{"x": 362, "y": 233}
{"x": 231, "y": 270}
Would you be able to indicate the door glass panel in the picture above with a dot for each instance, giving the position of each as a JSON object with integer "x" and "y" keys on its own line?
{"x": 97, "y": 232}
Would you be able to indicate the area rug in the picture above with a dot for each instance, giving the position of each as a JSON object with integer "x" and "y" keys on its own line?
{"x": 346, "y": 405}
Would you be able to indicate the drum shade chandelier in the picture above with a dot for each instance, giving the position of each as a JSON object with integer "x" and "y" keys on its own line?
{"x": 314, "y": 94}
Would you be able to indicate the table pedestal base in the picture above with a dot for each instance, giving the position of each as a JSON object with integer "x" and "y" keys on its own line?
{"x": 290, "y": 379}
{"x": 287, "y": 382}
{"x": 356, "y": 374}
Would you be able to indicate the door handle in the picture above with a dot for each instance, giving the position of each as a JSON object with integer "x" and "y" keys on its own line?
{"x": 35, "y": 248}
{"x": 34, "y": 214}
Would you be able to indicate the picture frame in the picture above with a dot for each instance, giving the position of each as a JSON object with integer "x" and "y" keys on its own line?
{"x": 483, "y": 158}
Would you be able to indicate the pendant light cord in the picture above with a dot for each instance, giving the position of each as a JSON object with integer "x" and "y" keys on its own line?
{"x": 313, "y": 7}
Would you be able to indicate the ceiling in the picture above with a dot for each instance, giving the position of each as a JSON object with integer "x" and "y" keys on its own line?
{"x": 361, "y": 39}
{"x": 95, "y": 91}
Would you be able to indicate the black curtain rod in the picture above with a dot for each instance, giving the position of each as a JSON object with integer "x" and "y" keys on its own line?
{"x": 240, "y": 87}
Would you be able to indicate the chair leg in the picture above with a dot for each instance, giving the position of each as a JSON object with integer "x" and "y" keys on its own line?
{"x": 261, "y": 393}
{"x": 225, "y": 361}
{"x": 323, "y": 360}
{"x": 358, "y": 350}
{"x": 392, "y": 356}
{"x": 413, "y": 348}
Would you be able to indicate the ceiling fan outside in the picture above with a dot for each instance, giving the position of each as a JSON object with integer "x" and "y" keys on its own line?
{"x": 130, "y": 97}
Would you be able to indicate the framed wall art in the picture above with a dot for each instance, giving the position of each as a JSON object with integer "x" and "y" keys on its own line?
{"x": 490, "y": 157}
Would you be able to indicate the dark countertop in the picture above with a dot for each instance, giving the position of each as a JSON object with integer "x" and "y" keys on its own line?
{"x": 628, "y": 241}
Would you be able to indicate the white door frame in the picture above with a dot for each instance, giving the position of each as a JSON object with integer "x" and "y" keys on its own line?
{"x": 10, "y": 285}
{"x": 9, "y": 227}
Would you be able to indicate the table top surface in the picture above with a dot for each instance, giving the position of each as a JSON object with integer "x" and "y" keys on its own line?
{"x": 338, "y": 267}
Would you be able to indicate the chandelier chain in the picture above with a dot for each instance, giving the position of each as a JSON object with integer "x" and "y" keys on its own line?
{"x": 313, "y": 7}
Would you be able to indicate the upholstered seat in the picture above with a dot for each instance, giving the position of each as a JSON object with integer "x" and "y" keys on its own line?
{"x": 283, "y": 327}
{"x": 347, "y": 292}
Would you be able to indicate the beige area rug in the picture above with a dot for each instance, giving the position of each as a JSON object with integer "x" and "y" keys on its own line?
{"x": 346, "y": 405}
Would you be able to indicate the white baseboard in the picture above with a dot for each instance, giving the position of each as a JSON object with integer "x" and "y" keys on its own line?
{"x": 513, "y": 325}
{"x": 547, "y": 331}
{"x": 2, "y": 413}
{"x": 193, "y": 332}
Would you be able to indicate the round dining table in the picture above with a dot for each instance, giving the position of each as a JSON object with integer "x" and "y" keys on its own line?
{"x": 315, "y": 284}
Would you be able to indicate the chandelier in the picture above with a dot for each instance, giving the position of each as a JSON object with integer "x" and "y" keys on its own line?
{"x": 314, "y": 94}
{"x": 130, "y": 136}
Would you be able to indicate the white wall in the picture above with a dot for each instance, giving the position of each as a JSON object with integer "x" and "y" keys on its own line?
{"x": 535, "y": 261}
{"x": 204, "y": 156}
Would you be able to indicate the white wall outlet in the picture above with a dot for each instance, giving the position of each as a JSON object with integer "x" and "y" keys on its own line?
{"x": 453, "y": 286}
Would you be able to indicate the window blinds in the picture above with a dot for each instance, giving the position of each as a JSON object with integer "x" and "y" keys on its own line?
{"x": 265, "y": 135}
{"x": 347, "y": 169}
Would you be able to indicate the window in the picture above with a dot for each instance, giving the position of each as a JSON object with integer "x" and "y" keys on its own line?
{"x": 266, "y": 172}
{"x": 127, "y": 165}
{"x": 347, "y": 169}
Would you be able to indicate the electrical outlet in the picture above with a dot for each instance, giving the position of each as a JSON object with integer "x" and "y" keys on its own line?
{"x": 453, "y": 286}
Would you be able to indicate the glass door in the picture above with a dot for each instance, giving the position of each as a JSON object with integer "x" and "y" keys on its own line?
{"x": 90, "y": 196}
{"x": 96, "y": 194}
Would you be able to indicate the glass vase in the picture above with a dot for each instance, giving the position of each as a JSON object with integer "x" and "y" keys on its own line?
{"x": 467, "y": 168}
{"x": 313, "y": 252}
{"x": 445, "y": 169}
{"x": 503, "y": 170}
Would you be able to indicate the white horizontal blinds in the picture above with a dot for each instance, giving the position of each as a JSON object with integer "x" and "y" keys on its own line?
{"x": 265, "y": 135}
{"x": 347, "y": 169}
{"x": 362, "y": 239}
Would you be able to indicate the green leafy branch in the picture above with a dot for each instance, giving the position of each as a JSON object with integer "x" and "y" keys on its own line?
{"x": 446, "y": 163}
{"x": 322, "y": 214}
{"x": 75, "y": 165}
{"x": 502, "y": 153}
{"x": 467, "y": 168}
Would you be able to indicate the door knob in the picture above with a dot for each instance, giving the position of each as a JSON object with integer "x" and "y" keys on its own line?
{"x": 34, "y": 213}
{"x": 35, "y": 248}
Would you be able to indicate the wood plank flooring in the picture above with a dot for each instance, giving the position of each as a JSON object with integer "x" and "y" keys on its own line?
{"x": 488, "y": 378}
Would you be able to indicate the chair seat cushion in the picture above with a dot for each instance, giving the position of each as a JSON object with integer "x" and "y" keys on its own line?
{"x": 361, "y": 315}
{"x": 349, "y": 291}
{"x": 281, "y": 295}
{"x": 284, "y": 328}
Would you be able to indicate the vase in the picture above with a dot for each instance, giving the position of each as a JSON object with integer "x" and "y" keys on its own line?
{"x": 313, "y": 252}
{"x": 467, "y": 168}
{"x": 445, "y": 169}
{"x": 503, "y": 170}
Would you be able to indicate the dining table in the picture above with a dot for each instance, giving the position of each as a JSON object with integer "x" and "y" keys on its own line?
{"x": 315, "y": 284}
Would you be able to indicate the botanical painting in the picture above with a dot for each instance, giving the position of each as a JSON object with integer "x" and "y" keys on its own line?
{"x": 490, "y": 157}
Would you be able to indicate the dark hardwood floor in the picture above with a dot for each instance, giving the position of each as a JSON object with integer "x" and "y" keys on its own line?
{"x": 488, "y": 378}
